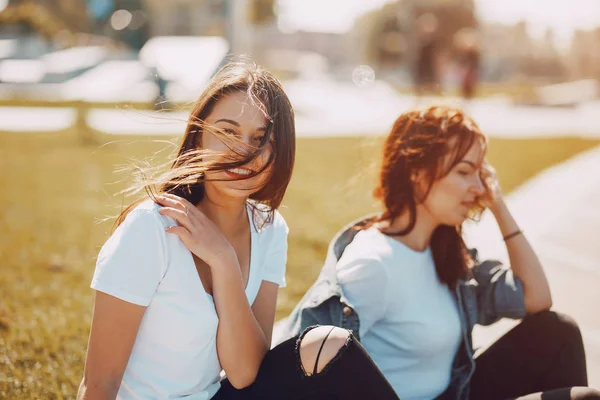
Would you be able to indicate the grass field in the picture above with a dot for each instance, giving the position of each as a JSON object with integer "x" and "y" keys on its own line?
{"x": 54, "y": 192}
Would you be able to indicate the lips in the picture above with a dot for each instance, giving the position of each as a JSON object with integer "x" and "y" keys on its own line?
{"x": 238, "y": 173}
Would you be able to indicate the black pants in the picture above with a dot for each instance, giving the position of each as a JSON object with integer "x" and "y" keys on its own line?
{"x": 541, "y": 358}
{"x": 352, "y": 374}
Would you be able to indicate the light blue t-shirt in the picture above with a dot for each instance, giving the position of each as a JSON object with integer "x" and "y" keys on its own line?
{"x": 409, "y": 321}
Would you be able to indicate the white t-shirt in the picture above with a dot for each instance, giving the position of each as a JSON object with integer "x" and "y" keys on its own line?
{"x": 175, "y": 353}
{"x": 409, "y": 321}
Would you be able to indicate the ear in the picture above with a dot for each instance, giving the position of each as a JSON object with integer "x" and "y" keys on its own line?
{"x": 418, "y": 181}
{"x": 417, "y": 176}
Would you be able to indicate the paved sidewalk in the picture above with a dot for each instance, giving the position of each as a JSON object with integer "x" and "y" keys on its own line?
{"x": 559, "y": 210}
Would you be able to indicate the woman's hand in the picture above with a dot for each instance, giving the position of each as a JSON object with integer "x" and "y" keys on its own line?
{"x": 523, "y": 260}
{"x": 199, "y": 234}
{"x": 239, "y": 355}
{"x": 493, "y": 199}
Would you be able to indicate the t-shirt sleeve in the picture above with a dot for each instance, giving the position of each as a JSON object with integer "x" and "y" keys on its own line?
{"x": 364, "y": 283}
{"x": 274, "y": 269}
{"x": 132, "y": 262}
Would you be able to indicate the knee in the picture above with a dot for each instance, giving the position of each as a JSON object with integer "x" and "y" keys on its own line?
{"x": 560, "y": 325}
{"x": 584, "y": 393}
{"x": 327, "y": 340}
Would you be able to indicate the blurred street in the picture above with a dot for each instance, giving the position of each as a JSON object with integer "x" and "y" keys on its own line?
{"x": 323, "y": 108}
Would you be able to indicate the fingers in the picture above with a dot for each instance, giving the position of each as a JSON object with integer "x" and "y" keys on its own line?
{"x": 488, "y": 170}
{"x": 184, "y": 234}
{"x": 171, "y": 200}
{"x": 178, "y": 215}
{"x": 179, "y": 203}
{"x": 181, "y": 210}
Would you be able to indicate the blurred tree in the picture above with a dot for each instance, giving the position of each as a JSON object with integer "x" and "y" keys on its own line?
{"x": 262, "y": 12}
{"x": 390, "y": 32}
{"x": 451, "y": 17}
{"x": 100, "y": 10}
{"x": 391, "y": 43}
{"x": 379, "y": 38}
{"x": 364, "y": 37}
{"x": 56, "y": 20}
{"x": 123, "y": 20}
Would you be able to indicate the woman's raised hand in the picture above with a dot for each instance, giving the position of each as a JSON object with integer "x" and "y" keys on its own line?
{"x": 199, "y": 234}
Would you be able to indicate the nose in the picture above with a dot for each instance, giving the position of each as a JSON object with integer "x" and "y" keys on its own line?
{"x": 246, "y": 139}
{"x": 243, "y": 145}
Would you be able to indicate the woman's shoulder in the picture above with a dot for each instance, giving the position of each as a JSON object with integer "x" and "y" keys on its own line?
{"x": 368, "y": 248}
{"x": 370, "y": 243}
{"x": 279, "y": 223}
{"x": 145, "y": 214}
{"x": 134, "y": 258}
{"x": 143, "y": 231}
{"x": 365, "y": 262}
{"x": 144, "y": 224}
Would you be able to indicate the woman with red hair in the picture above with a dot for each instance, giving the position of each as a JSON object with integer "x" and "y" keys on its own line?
{"x": 406, "y": 285}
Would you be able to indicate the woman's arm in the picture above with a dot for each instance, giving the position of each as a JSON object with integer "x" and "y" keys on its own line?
{"x": 244, "y": 333}
{"x": 128, "y": 271}
{"x": 523, "y": 260}
{"x": 242, "y": 341}
{"x": 114, "y": 327}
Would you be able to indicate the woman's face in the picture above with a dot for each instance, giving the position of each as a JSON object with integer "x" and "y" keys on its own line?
{"x": 235, "y": 114}
{"x": 454, "y": 195}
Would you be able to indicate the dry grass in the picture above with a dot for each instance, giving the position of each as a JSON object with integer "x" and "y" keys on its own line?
{"x": 54, "y": 191}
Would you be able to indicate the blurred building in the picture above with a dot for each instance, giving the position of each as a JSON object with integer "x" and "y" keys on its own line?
{"x": 292, "y": 47}
{"x": 584, "y": 55}
{"x": 275, "y": 45}
{"x": 380, "y": 37}
{"x": 504, "y": 47}
{"x": 187, "y": 17}
{"x": 510, "y": 52}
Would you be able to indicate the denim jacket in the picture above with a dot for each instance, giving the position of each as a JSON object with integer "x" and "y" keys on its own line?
{"x": 490, "y": 293}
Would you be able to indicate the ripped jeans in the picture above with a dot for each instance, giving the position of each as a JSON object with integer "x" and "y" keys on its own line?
{"x": 349, "y": 374}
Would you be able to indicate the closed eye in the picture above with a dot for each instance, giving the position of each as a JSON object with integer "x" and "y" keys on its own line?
{"x": 230, "y": 131}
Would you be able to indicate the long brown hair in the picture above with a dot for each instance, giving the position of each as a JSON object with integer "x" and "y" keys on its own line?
{"x": 186, "y": 175}
{"x": 423, "y": 140}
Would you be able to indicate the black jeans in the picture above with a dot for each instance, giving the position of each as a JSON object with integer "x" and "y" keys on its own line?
{"x": 541, "y": 358}
{"x": 352, "y": 374}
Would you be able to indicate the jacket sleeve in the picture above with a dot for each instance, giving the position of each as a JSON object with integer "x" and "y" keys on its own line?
{"x": 499, "y": 292}
{"x": 322, "y": 305}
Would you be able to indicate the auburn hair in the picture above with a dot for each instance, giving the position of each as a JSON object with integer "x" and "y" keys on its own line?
{"x": 429, "y": 141}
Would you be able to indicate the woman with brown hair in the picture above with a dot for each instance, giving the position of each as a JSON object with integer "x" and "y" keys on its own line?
{"x": 406, "y": 285}
{"x": 186, "y": 286}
